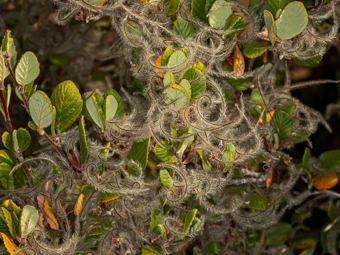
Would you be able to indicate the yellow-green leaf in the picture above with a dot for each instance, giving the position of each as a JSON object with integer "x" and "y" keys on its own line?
{"x": 68, "y": 103}
{"x": 28, "y": 220}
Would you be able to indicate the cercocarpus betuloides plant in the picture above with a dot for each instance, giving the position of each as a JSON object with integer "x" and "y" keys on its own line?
{"x": 197, "y": 159}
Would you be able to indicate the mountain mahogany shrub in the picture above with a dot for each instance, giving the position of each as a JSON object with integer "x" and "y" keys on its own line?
{"x": 196, "y": 162}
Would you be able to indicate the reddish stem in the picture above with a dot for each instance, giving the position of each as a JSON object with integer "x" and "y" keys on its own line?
{"x": 10, "y": 126}
{"x": 3, "y": 100}
{"x": 59, "y": 149}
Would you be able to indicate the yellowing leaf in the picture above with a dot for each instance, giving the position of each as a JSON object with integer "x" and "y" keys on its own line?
{"x": 158, "y": 63}
{"x": 107, "y": 197}
{"x": 102, "y": 2}
{"x": 9, "y": 244}
{"x": 9, "y": 204}
{"x": 79, "y": 204}
{"x": 268, "y": 117}
{"x": 239, "y": 63}
{"x": 328, "y": 181}
{"x": 264, "y": 35}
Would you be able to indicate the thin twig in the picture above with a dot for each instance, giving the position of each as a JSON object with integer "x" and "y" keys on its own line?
{"x": 302, "y": 85}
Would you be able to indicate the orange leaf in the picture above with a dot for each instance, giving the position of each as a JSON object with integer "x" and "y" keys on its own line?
{"x": 102, "y": 2}
{"x": 41, "y": 220}
{"x": 9, "y": 244}
{"x": 239, "y": 63}
{"x": 79, "y": 204}
{"x": 328, "y": 181}
{"x": 48, "y": 214}
{"x": 270, "y": 177}
{"x": 158, "y": 63}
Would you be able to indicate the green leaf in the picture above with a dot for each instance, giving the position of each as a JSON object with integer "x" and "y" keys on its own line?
{"x": 270, "y": 25}
{"x": 27, "y": 69}
{"x": 162, "y": 230}
{"x": 155, "y": 215}
{"x": 219, "y": 14}
{"x": 330, "y": 159}
{"x": 3, "y": 70}
{"x": 175, "y": 96}
{"x": 185, "y": 84}
{"x": 68, "y": 103}
{"x": 257, "y": 202}
{"x": 107, "y": 197}
{"x": 332, "y": 211}
{"x": 29, "y": 90}
{"x": 185, "y": 144}
{"x": 166, "y": 178}
{"x": 168, "y": 79}
{"x": 40, "y": 108}
{"x": 229, "y": 154}
{"x": 134, "y": 29}
{"x": 254, "y": 49}
{"x": 177, "y": 60}
{"x": 200, "y": 9}
{"x": 281, "y": 124}
{"x": 292, "y": 22}
{"x": 278, "y": 234}
{"x": 164, "y": 155}
{"x": 189, "y": 218}
{"x": 255, "y": 97}
{"x": 28, "y": 220}
{"x": 152, "y": 249}
{"x": 111, "y": 106}
{"x": 307, "y": 240}
{"x": 196, "y": 78}
{"x": 171, "y": 6}
{"x": 184, "y": 28}
{"x": 139, "y": 152}
{"x": 7, "y": 95}
{"x": 166, "y": 56}
{"x": 211, "y": 249}
{"x": 274, "y": 5}
{"x": 289, "y": 108}
{"x": 253, "y": 3}
{"x": 32, "y": 125}
{"x": 6, "y": 138}
{"x": 234, "y": 22}
{"x": 9, "y": 221}
{"x": 120, "y": 107}
{"x": 83, "y": 143}
{"x": 306, "y": 162}
{"x": 306, "y": 159}
{"x": 9, "y": 47}
{"x": 21, "y": 139}
{"x": 10, "y": 205}
{"x": 205, "y": 163}
{"x": 6, "y": 157}
{"x": 59, "y": 59}
{"x": 309, "y": 62}
{"x": 239, "y": 84}
{"x": 54, "y": 117}
{"x": 308, "y": 251}
{"x": 93, "y": 109}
